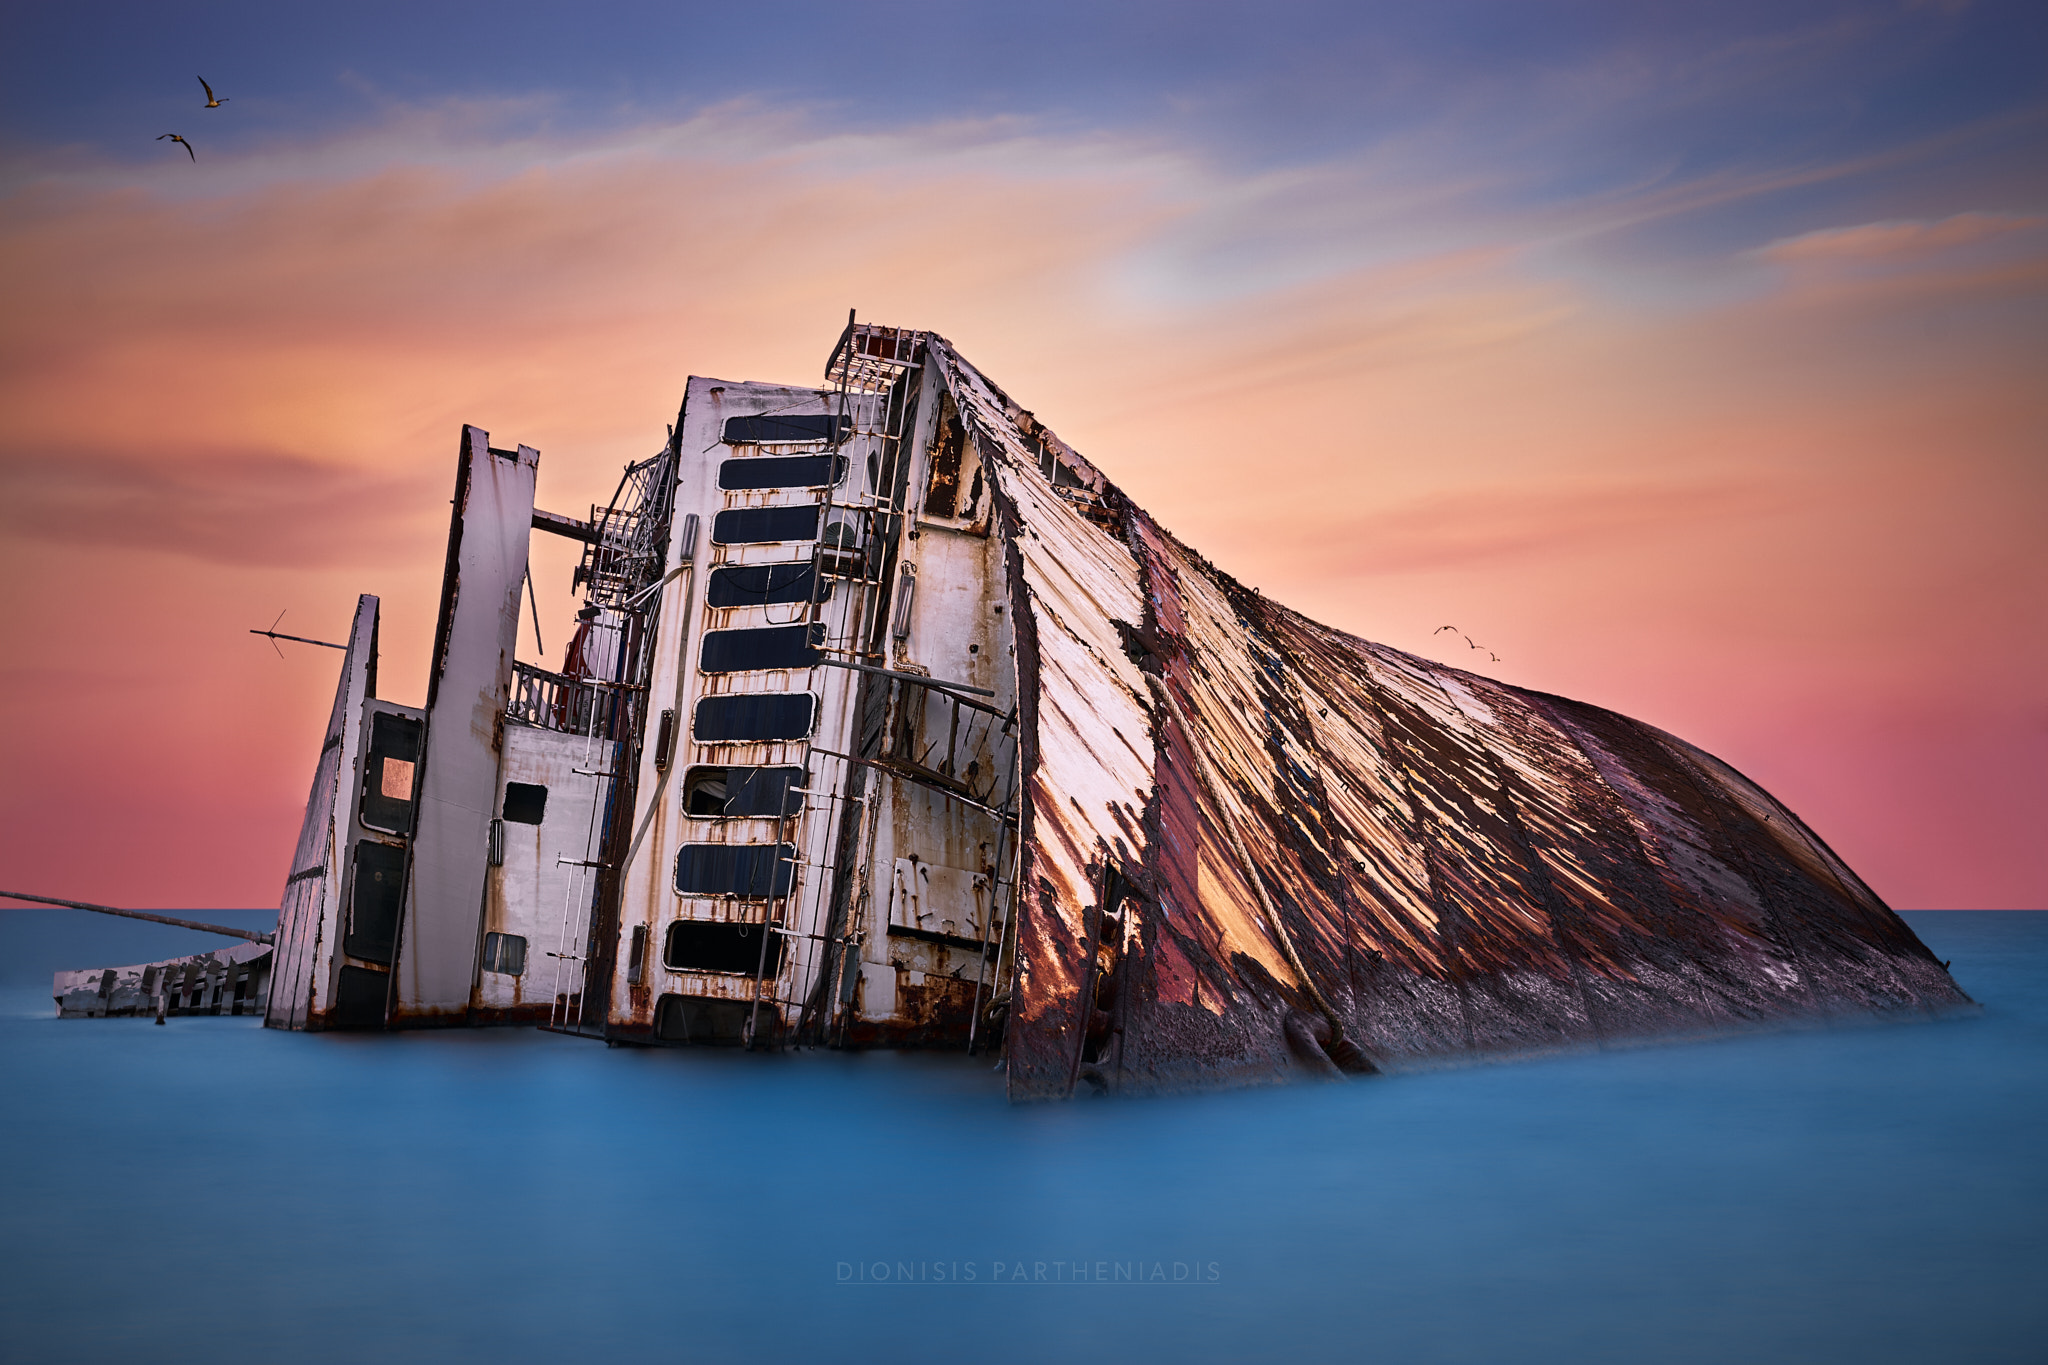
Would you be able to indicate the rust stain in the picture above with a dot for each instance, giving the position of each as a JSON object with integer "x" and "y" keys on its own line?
{"x": 1460, "y": 866}
{"x": 1170, "y": 834}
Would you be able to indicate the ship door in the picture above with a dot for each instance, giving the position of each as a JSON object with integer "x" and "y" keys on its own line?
{"x": 376, "y": 894}
{"x": 390, "y": 774}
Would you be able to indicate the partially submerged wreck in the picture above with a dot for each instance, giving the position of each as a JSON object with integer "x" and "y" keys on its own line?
{"x": 890, "y": 721}
{"x": 226, "y": 981}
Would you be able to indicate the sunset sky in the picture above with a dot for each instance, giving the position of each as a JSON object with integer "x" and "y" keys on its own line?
{"x": 1692, "y": 359}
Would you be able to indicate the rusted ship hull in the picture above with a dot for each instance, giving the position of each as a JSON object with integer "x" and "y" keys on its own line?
{"x": 889, "y": 721}
{"x": 1302, "y": 823}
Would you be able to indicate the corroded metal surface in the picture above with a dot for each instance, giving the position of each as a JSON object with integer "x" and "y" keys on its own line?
{"x": 1057, "y": 781}
{"x": 1445, "y": 866}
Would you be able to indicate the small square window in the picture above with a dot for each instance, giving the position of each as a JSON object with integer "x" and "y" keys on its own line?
{"x": 525, "y": 802}
{"x": 505, "y": 953}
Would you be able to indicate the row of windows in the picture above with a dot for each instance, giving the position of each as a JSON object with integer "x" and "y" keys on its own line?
{"x": 745, "y": 871}
{"x": 749, "y": 871}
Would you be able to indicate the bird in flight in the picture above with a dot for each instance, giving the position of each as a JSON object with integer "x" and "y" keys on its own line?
{"x": 181, "y": 142}
{"x": 213, "y": 101}
{"x": 1441, "y": 629}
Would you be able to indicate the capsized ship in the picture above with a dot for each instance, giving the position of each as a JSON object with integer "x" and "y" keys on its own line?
{"x": 890, "y": 721}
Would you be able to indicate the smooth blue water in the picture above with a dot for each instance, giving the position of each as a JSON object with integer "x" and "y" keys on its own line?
{"x": 208, "y": 1190}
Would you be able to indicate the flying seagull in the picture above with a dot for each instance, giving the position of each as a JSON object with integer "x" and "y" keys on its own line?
{"x": 1441, "y": 629}
{"x": 181, "y": 142}
{"x": 213, "y": 101}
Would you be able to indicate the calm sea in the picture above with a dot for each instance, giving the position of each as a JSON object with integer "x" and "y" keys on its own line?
{"x": 209, "y": 1191}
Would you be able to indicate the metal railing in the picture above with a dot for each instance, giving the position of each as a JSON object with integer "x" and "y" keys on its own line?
{"x": 556, "y": 701}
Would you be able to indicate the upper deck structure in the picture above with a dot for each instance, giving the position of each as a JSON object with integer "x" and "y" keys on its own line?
{"x": 890, "y": 721}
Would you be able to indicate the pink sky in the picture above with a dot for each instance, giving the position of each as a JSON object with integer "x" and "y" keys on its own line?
{"x": 1791, "y": 508}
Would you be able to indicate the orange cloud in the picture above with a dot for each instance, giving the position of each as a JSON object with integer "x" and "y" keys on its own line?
{"x": 249, "y": 509}
{"x": 217, "y": 404}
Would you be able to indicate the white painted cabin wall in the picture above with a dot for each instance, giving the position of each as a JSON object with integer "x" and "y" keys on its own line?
{"x": 540, "y": 893}
{"x": 467, "y": 694}
{"x": 649, "y": 899}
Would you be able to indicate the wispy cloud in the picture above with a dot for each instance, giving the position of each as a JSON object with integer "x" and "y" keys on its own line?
{"x": 255, "y": 510}
{"x": 1356, "y": 364}
{"x": 1897, "y": 238}
{"x": 1504, "y": 524}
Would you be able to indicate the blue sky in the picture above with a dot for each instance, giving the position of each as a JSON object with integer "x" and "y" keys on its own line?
{"x": 1545, "y": 104}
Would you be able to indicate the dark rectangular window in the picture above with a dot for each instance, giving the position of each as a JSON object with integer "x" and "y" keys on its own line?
{"x": 695, "y": 1019}
{"x": 665, "y": 741}
{"x": 782, "y": 471}
{"x": 525, "y": 802}
{"x": 390, "y": 773}
{"x": 754, "y": 716}
{"x": 373, "y": 901}
{"x": 771, "y": 792}
{"x": 761, "y": 525}
{"x": 359, "y": 998}
{"x": 636, "y": 960}
{"x": 696, "y": 945}
{"x": 771, "y": 427}
{"x": 738, "y": 651}
{"x": 749, "y": 871}
{"x": 505, "y": 953}
{"x": 763, "y": 585}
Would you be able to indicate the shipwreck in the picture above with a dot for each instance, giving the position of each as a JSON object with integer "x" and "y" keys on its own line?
{"x": 889, "y": 721}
